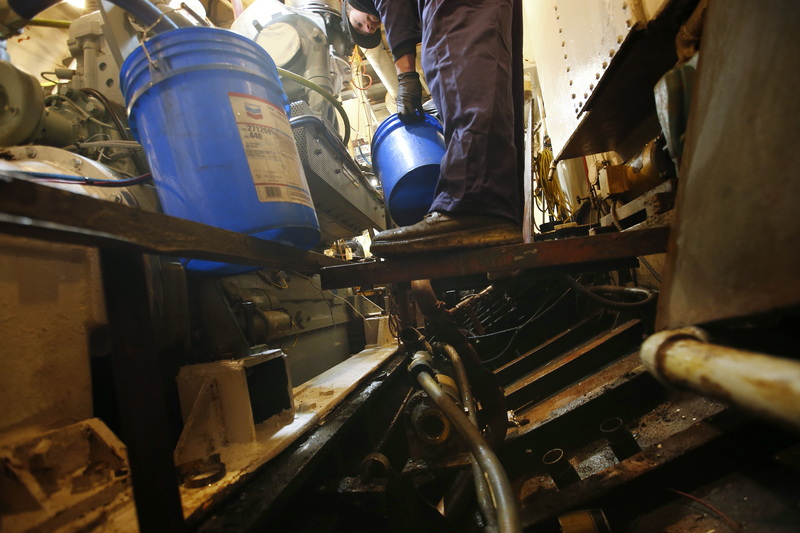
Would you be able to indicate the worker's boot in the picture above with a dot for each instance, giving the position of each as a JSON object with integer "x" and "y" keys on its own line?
{"x": 439, "y": 232}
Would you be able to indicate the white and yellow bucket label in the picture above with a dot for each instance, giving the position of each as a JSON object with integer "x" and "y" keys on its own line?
{"x": 271, "y": 153}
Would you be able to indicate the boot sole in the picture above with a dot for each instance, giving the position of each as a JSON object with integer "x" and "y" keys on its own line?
{"x": 447, "y": 242}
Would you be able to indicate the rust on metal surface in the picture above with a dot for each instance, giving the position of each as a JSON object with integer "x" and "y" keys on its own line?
{"x": 543, "y": 504}
{"x": 557, "y": 253}
{"x": 574, "y": 365}
{"x": 591, "y": 388}
{"x": 567, "y": 339}
{"x": 33, "y": 210}
{"x": 734, "y": 246}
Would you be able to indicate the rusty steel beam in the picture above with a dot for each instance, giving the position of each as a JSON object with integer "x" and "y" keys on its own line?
{"x": 32, "y": 210}
{"x": 540, "y": 255}
{"x": 718, "y": 432}
{"x": 575, "y": 365}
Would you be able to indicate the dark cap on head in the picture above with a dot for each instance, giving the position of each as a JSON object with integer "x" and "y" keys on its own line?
{"x": 366, "y": 6}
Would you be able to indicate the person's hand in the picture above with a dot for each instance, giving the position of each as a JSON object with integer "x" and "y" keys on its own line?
{"x": 409, "y": 97}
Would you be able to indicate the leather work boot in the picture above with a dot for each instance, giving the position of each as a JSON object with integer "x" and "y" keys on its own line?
{"x": 439, "y": 232}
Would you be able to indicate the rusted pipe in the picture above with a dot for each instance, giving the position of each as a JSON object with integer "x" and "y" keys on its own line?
{"x": 413, "y": 340}
{"x": 687, "y": 42}
{"x": 560, "y": 469}
{"x": 766, "y": 385}
{"x": 619, "y": 439}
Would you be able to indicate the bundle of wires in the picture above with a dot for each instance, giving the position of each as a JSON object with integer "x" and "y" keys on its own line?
{"x": 550, "y": 197}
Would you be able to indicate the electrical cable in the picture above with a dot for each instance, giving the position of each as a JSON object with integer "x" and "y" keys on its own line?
{"x": 78, "y": 180}
{"x": 550, "y": 198}
{"x": 362, "y": 71}
{"x": 734, "y": 525}
{"x": 323, "y": 291}
{"x": 79, "y": 109}
{"x": 119, "y": 117}
{"x": 539, "y": 313}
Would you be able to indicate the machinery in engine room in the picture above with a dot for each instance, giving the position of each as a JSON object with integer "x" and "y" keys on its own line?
{"x": 277, "y": 324}
{"x": 554, "y": 385}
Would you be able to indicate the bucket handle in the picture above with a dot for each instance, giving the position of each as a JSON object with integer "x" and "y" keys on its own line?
{"x": 143, "y": 39}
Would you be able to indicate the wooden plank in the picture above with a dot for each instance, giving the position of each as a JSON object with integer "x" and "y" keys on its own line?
{"x": 38, "y": 211}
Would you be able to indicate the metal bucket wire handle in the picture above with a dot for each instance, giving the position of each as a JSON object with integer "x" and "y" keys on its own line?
{"x": 143, "y": 37}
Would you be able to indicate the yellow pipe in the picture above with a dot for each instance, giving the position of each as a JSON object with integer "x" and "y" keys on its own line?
{"x": 49, "y": 23}
{"x": 766, "y": 385}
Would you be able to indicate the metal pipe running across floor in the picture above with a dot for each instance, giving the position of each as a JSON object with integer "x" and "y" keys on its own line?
{"x": 765, "y": 385}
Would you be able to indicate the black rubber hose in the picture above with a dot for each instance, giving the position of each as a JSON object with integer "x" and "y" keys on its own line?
{"x": 148, "y": 14}
{"x": 30, "y": 8}
{"x": 591, "y": 293}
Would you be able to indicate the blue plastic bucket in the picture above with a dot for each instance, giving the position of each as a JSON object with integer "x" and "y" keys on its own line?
{"x": 209, "y": 109}
{"x": 406, "y": 158}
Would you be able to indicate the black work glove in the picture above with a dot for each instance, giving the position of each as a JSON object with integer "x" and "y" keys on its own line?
{"x": 409, "y": 97}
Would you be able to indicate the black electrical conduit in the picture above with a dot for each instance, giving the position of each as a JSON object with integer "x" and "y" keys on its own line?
{"x": 506, "y": 504}
{"x": 647, "y": 296}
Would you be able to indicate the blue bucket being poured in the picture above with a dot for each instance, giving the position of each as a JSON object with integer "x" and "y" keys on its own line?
{"x": 209, "y": 109}
{"x": 406, "y": 158}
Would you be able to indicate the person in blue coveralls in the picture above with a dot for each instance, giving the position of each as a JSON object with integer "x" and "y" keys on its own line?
{"x": 466, "y": 58}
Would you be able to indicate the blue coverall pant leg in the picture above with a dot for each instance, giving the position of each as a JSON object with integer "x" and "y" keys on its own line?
{"x": 466, "y": 56}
